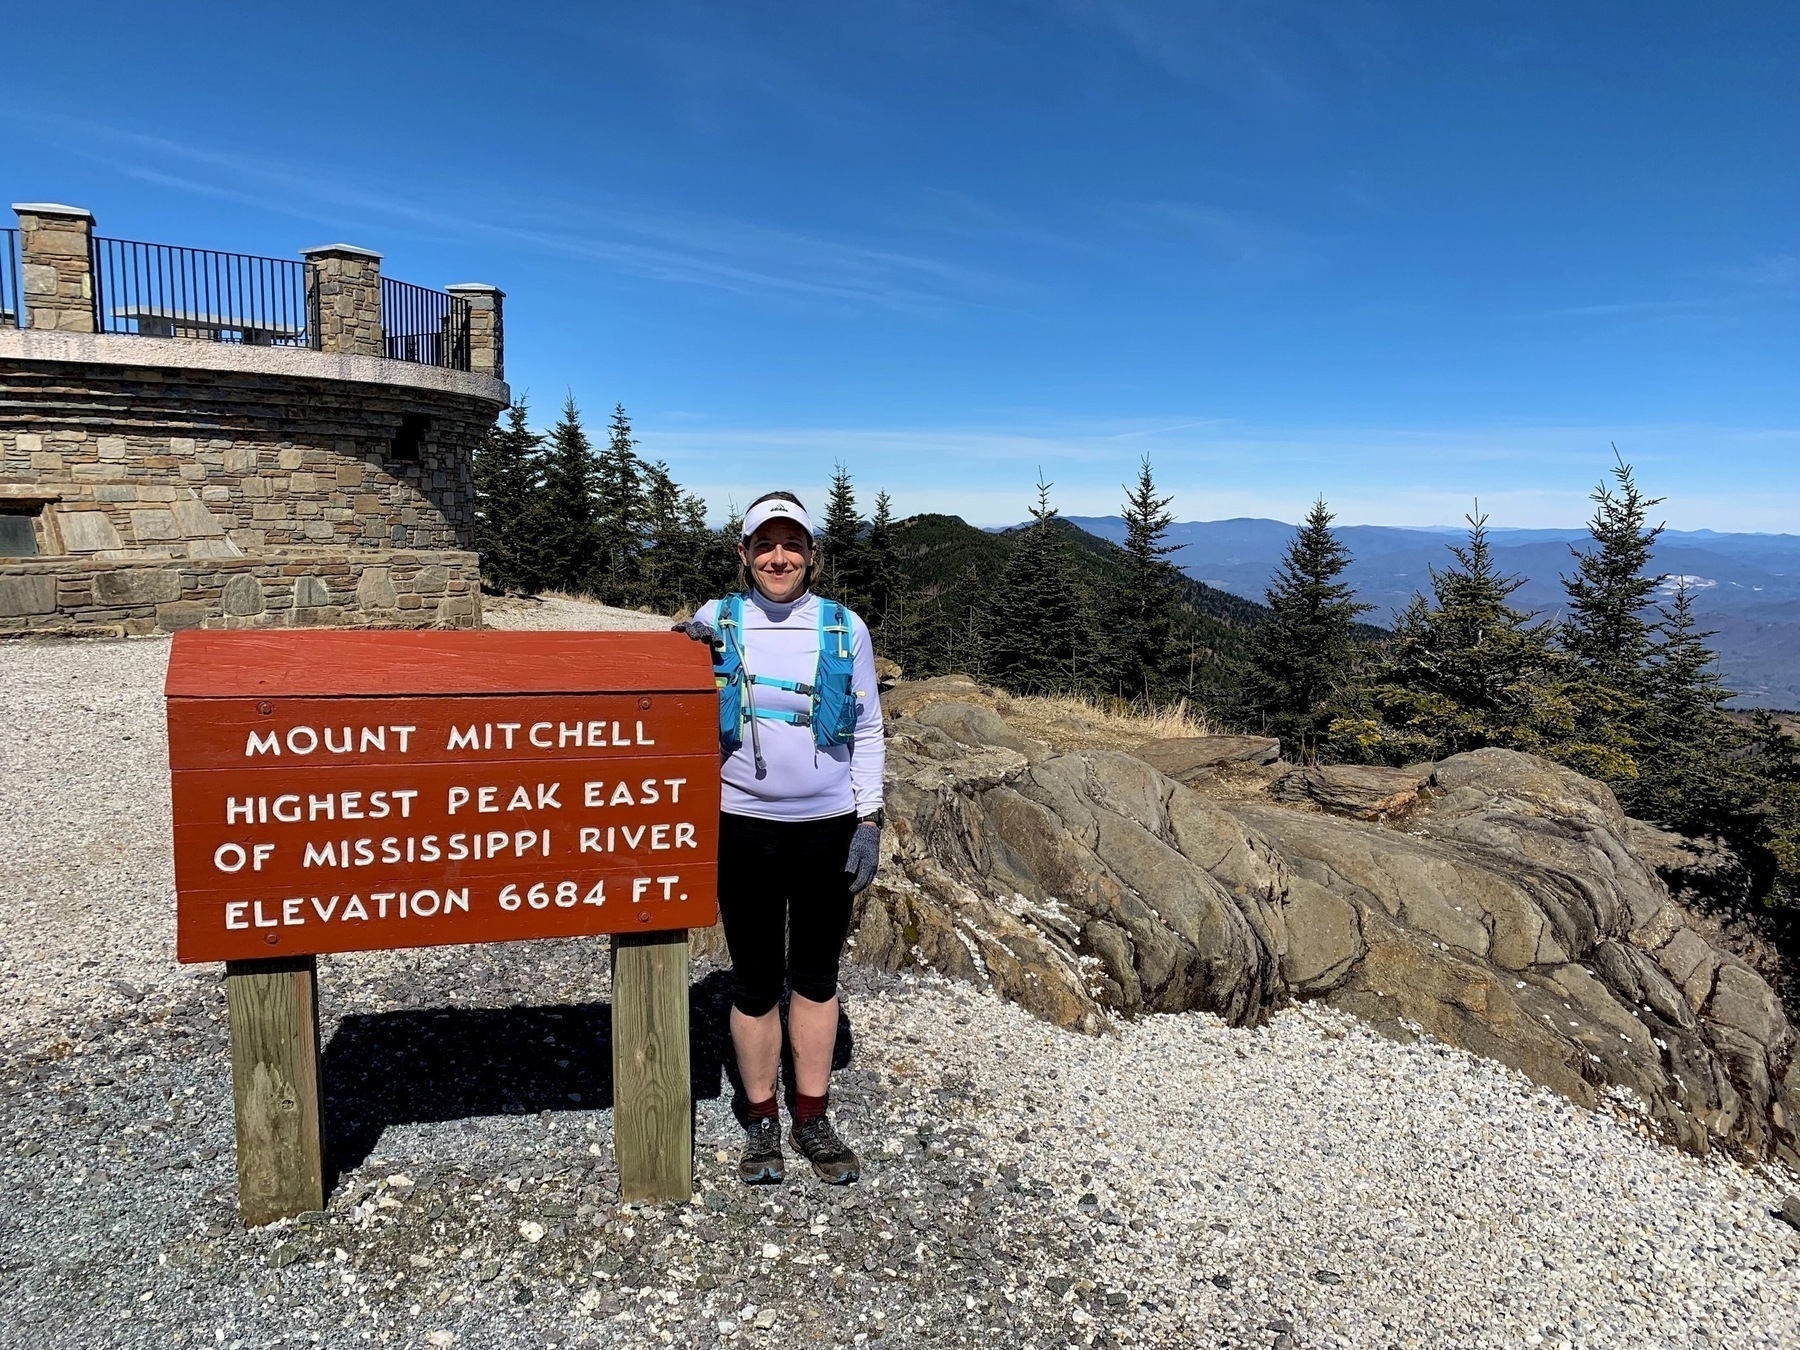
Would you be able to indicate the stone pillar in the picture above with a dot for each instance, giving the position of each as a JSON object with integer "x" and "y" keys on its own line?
{"x": 343, "y": 292}
{"x": 56, "y": 266}
{"x": 487, "y": 328}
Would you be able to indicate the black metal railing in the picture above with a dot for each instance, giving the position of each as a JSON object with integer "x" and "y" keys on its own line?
{"x": 423, "y": 325}
{"x": 12, "y": 308}
{"x": 165, "y": 290}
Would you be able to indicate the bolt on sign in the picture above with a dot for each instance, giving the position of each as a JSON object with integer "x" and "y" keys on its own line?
{"x": 350, "y": 791}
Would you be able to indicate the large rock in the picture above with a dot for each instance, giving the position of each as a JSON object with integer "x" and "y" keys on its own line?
{"x": 1071, "y": 884}
{"x": 1511, "y": 917}
{"x": 973, "y": 724}
{"x": 1184, "y": 758}
{"x": 906, "y": 698}
{"x": 1360, "y": 790}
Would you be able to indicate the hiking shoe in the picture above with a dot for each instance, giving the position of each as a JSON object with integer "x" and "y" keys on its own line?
{"x": 762, "y": 1163}
{"x": 833, "y": 1159}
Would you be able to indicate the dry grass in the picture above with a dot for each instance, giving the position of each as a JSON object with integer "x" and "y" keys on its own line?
{"x": 1088, "y": 724}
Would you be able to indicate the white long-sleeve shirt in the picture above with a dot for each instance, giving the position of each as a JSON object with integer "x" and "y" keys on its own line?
{"x": 803, "y": 782}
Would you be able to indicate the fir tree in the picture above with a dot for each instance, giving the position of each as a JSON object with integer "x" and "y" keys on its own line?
{"x": 719, "y": 564}
{"x": 619, "y": 510}
{"x": 1034, "y": 642}
{"x": 1468, "y": 670}
{"x": 1145, "y": 608}
{"x": 506, "y": 485}
{"x": 881, "y": 563}
{"x": 1302, "y": 656}
{"x": 1609, "y": 629}
{"x": 1775, "y": 766}
{"x": 672, "y": 565}
{"x": 840, "y": 543}
{"x": 1693, "y": 776}
{"x": 562, "y": 520}
{"x": 937, "y": 629}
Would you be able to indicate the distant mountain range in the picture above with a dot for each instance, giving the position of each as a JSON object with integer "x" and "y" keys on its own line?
{"x": 1746, "y": 586}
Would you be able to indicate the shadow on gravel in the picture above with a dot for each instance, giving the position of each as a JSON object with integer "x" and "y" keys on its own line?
{"x": 436, "y": 1064}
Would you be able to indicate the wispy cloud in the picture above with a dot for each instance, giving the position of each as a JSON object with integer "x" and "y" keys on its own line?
{"x": 1211, "y": 44}
{"x": 1525, "y": 475}
{"x": 1777, "y": 269}
{"x": 1241, "y": 237}
{"x": 652, "y": 243}
{"x": 1250, "y": 52}
{"x": 1632, "y": 309}
{"x": 1771, "y": 279}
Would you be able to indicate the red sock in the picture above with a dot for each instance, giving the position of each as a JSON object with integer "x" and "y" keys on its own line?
{"x": 764, "y": 1110}
{"x": 808, "y": 1108}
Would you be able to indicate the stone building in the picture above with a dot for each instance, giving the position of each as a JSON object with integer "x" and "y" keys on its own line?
{"x": 198, "y": 439}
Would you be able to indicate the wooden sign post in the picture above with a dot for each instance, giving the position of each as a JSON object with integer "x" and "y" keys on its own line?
{"x": 355, "y": 791}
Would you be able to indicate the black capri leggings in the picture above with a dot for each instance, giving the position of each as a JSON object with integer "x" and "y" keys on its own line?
{"x": 784, "y": 899}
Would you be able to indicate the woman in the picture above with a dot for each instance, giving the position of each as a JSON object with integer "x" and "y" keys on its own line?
{"x": 800, "y": 829}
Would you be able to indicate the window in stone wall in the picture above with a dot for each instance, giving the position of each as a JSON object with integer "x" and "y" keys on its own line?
{"x": 410, "y": 439}
{"x": 18, "y": 532}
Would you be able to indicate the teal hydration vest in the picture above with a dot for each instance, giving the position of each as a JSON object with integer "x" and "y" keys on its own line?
{"x": 834, "y": 707}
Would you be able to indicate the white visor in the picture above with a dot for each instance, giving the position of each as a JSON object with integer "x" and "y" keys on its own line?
{"x": 776, "y": 508}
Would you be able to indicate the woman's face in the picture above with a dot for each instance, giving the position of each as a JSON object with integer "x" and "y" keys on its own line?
{"x": 778, "y": 555}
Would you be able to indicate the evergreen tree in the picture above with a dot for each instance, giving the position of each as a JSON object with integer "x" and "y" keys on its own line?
{"x": 1468, "y": 670}
{"x": 1302, "y": 656}
{"x": 938, "y": 629}
{"x": 619, "y": 511}
{"x": 719, "y": 563}
{"x": 881, "y": 559}
{"x": 1609, "y": 629}
{"x": 1145, "y": 608}
{"x": 1693, "y": 776}
{"x": 672, "y": 564}
{"x": 1034, "y": 641}
{"x": 562, "y": 520}
{"x": 840, "y": 543}
{"x": 1775, "y": 766}
{"x": 506, "y": 485}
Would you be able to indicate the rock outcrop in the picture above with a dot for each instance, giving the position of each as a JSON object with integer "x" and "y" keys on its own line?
{"x": 1185, "y": 758}
{"x": 1359, "y": 790}
{"x": 1493, "y": 900}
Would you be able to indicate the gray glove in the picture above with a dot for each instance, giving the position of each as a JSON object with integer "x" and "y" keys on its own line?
{"x": 865, "y": 855}
{"x": 700, "y": 632}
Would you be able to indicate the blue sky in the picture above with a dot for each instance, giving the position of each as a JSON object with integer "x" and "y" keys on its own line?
{"x": 1402, "y": 255}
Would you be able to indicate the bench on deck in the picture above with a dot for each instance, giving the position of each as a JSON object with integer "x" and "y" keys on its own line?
{"x": 163, "y": 321}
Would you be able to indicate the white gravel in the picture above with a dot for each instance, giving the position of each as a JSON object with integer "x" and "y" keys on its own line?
{"x": 563, "y": 611}
{"x": 1307, "y": 1184}
{"x": 1370, "y": 1193}
{"x": 87, "y": 898}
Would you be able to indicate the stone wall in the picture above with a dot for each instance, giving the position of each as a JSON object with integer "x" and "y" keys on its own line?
{"x": 101, "y": 597}
{"x": 182, "y": 462}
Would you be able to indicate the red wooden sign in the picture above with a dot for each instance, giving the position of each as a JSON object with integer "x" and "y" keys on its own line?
{"x": 354, "y": 791}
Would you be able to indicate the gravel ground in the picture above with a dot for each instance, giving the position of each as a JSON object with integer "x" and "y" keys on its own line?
{"x": 1175, "y": 1183}
{"x": 562, "y": 611}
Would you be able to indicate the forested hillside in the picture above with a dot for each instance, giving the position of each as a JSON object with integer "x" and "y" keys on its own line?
{"x": 950, "y": 571}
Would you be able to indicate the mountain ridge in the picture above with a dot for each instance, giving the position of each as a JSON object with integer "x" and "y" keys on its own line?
{"x": 946, "y": 559}
{"x": 1746, "y": 587}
